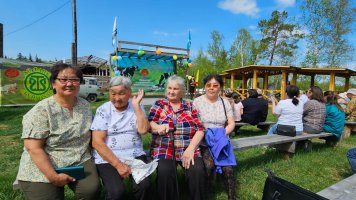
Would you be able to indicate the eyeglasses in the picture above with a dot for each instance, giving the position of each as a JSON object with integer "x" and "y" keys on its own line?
{"x": 209, "y": 85}
{"x": 74, "y": 81}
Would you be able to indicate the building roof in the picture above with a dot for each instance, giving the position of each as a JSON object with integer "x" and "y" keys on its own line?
{"x": 166, "y": 54}
{"x": 247, "y": 71}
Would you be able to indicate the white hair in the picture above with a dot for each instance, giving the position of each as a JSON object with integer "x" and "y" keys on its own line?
{"x": 120, "y": 80}
{"x": 179, "y": 80}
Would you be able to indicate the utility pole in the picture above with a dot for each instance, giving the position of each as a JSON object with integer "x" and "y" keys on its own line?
{"x": 74, "y": 43}
{"x": 1, "y": 41}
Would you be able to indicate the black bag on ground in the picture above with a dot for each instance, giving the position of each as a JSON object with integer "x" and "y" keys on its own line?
{"x": 286, "y": 130}
{"x": 279, "y": 189}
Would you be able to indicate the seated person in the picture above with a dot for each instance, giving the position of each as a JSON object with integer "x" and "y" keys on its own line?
{"x": 216, "y": 112}
{"x": 238, "y": 107}
{"x": 288, "y": 111}
{"x": 164, "y": 116}
{"x": 255, "y": 109}
{"x": 351, "y": 106}
{"x": 303, "y": 97}
{"x": 342, "y": 100}
{"x": 334, "y": 118}
{"x": 351, "y": 156}
{"x": 117, "y": 129}
{"x": 56, "y": 135}
{"x": 228, "y": 92}
{"x": 314, "y": 111}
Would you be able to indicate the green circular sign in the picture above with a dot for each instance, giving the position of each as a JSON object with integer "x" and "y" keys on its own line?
{"x": 37, "y": 83}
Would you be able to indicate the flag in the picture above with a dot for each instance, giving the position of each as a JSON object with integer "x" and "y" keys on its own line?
{"x": 189, "y": 41}
{"x": 114, "y": 33}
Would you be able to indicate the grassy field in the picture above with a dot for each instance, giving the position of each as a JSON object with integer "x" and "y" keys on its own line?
{"x": 314, "y": 170}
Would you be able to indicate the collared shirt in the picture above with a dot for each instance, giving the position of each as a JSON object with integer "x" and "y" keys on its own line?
{"x": 185, "y": 120}
{"x": 67, "y": 137}
{"x": 122, "y": 136}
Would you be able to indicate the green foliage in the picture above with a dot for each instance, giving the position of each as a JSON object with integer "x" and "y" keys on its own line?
{"x": 242, "y": 51}
{"x": 217, "y": 52}
{"x": 279, "y": 38}
{"x": 328, "y": 23}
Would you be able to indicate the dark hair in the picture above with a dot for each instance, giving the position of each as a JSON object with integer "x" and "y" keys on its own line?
{"x": 217, "y": 77}
{"x": 236, "y": 97}
{"x": 317, "y": 94}
{"x": 60, "y": 67}
{"x": 332, "y": 99}
{"x": 252, "y": 93}
{"x": 293, "y": 93}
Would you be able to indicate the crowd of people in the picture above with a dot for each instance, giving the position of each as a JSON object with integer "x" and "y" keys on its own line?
{"x": 60, "y": 132}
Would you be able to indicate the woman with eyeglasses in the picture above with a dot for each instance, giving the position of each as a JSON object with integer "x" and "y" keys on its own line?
{"x": 314, "y": 111}
{"x": 216, "y": 112}
{"x": 56, "y": 135}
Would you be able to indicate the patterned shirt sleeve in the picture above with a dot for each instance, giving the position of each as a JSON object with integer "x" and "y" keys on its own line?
{"x": 35, "y": 123}
{"x": 101, "y": 119}
{"x": 155, "y": 112}
{"x": 307, "y": 108}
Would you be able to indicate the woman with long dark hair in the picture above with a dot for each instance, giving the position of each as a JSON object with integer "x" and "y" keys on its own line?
{"x": 334, "y": 117}
{"x": 314, "y": 111}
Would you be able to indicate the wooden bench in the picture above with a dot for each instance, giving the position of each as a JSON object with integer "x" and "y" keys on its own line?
{"x": 285, "y": 144}
{"x": 343, "y": 190}
{"x": 347, "y": 129}
{"x": 262, "y": 125}
{"x": 238, "y": 123}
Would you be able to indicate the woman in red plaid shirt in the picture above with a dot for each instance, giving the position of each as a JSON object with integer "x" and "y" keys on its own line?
{"x": 165, "y": 115}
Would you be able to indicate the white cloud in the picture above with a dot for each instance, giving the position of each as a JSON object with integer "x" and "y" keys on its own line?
{"x": 286, "y": 3}
{"x": 161, "y": 33}
{"x": 247, "y": 7}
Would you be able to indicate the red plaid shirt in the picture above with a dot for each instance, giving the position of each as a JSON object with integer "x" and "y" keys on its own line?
{"x": 186, "y": 122}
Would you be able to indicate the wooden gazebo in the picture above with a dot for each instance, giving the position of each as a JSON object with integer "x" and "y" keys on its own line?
{"x": 264, "y": 71}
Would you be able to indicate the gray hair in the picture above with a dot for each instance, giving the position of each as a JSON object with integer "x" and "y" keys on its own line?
{"x": 120, "y": 80}
{"x": 179, "y": 80}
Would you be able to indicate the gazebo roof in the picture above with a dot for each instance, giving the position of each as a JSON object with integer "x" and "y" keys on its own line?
{"x": 247, "y": 71}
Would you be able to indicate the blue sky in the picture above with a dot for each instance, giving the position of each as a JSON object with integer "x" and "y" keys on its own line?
{"x": 164, "y": 22}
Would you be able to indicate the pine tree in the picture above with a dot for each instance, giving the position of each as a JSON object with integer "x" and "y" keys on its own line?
{"x": 19, "y": 56}
{"x": 279, "y": 38}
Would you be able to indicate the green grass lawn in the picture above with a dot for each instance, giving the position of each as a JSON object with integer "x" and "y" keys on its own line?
{"x": 314, "y": 170}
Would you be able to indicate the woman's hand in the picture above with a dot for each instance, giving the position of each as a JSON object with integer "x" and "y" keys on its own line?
{"x": 136, "y": 100}
{"x": 124, "y": 170}
{"x": 61, "y": 180}
{"x": 187, "y": 158}
{"x": 163, "y": 129}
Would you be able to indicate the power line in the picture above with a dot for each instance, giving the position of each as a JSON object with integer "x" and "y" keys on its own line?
{"x": 37, "y": 20}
